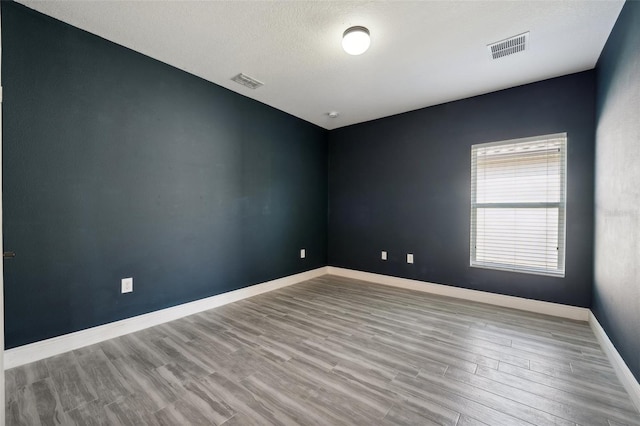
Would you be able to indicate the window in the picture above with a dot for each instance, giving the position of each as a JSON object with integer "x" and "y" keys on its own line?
{"x": 518, "y": 201}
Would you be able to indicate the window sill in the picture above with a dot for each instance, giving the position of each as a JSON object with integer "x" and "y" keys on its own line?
{"x": 497, "y": 267}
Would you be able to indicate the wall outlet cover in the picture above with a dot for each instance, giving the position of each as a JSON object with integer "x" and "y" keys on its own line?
{"x": 303, "y": 253}
{"x": 383, "y": 256}
{"x": 409, "y": 258}
{"x": 127, "y": 285}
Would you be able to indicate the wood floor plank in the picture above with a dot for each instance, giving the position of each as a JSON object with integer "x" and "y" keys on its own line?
{"x": 424, "y": 390}
{"x": 469, "y": 421}
{"x": 103, "y": 377}
{"x": 244, "y": 401}
{"x": 132, "y": 410}
{"x": 376, "y": 401}
{"x": 240, "y": 419}
{"x": 590, "y": 406}
{"x": 282, "y": 400}
{"x": 21, "y": 407}
{"x": 411, "y": 406}
{"x": 210, "y": 404}
{"x": 17, "y": 378}
{"x": 72, "y": 386}
{"x": 332, "y": 351}
{"x": 182, "y": 412}
{"x": 48, "y": 405}
{"x": 577, "y": 387}
{"x": 91, "y": 414}
{"x": 401, "y": 415}
{"x": 531, "y": 407}
{"x": 149, "y": 383}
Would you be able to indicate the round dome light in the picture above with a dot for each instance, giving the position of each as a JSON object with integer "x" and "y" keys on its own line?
{"x": 356, "y": 40}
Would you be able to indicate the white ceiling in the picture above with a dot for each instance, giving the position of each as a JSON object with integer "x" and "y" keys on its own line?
{"x": 422, "y": 52}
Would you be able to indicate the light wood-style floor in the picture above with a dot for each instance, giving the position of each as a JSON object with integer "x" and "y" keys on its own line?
{"x": 332, "y": 351}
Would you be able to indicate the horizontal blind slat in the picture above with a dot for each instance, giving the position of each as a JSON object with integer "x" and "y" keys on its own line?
{"x": 518, "y": 199}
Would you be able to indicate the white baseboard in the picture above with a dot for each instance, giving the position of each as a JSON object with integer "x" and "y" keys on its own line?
{"x": 622, "y": 370}
{"x": 68, "y": 342}
{"x": 555, "y": 309}
{"x": 547, "y": 308}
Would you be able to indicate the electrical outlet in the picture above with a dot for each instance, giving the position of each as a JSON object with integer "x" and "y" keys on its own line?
{"x": 303, "y": 253}
{"x": 127, "y": 285}
{"x": 409, "y": 258}
{"x": 383, "y": 256}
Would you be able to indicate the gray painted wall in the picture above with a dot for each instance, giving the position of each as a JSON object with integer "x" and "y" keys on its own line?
{"x": 616, "y": 293}
{"x": 117, "y": 165}
{"x": 403, "y": 184}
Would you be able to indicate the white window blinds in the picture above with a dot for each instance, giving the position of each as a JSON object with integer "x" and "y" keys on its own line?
{"x": 518, "y": 204}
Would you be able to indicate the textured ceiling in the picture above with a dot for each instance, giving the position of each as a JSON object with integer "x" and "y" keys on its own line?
{"x": 422, "y": 52}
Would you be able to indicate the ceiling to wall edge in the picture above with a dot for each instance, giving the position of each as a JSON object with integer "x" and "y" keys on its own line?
{"x": 327, "y": 126}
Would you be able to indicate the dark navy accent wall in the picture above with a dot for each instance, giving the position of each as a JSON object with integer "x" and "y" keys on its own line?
{"x": 116, "y": 165}
{"x": 402, "y": 184}
{"x": 616, "y": 291}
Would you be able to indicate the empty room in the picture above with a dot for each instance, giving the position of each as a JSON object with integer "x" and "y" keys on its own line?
{"x": 320, "y": 212}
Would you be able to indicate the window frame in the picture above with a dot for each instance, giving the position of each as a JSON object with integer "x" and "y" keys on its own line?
{"x": 561, "y": 205}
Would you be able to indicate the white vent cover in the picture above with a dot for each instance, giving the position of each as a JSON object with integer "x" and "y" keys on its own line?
{"x": 247, "y": 81}
{"x": 509, "y": 46}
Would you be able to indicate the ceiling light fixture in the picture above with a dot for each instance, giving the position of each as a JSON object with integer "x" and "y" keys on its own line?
{"x": 356, "y": 40}
{"x": 333, "y": 114}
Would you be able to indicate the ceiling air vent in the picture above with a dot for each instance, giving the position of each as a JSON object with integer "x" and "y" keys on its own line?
{"x": 509, "y": 46}
{"x": 247, "y": 81}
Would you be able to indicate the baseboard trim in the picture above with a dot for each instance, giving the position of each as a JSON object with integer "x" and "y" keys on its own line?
{"x": 622, "y": 370}
{"x": 46, "y": 348}
{"x": 57, "y": 345}
{"x": 530, "y": 305}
